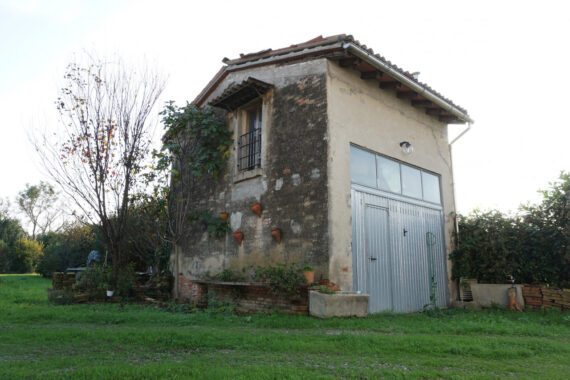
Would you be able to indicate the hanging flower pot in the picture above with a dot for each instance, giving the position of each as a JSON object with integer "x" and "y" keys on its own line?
{"x": 224, "y": 216}
{"x": 110, "y": 293}
{"x": 256, "y": 208}
{"x": 239, "y": 236}
{"x": 276, "y": 233}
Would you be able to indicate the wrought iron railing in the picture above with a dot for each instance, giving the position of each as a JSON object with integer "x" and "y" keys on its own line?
{"x": 249, "y": 150}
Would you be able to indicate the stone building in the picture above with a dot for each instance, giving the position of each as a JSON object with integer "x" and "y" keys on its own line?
{"x": 348, "y": 156}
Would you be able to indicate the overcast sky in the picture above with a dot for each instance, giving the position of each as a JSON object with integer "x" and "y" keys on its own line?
{"x": 506, "y": 62}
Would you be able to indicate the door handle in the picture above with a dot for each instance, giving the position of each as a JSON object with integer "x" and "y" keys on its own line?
{"x": 372, "y": 258}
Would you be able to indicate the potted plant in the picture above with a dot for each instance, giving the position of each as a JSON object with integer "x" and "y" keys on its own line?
{"x": 309, "y": 273}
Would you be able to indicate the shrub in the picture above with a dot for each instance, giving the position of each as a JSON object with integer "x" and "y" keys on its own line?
{"x": 69, "y": 248}
{"x": 4, "y": 257}
{"x": 531, "y": 246}
{"x": 283, "y": 280}
{"x": 127, "y": 281}
{"x": 94, "y": 281}
{"x": 229, "y": 276}
{"x": 25, "y": 256}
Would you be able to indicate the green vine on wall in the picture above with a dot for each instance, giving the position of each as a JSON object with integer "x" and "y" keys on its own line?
{"x": 196, "y": 143}
{"x": 195, "y": 136}
{"x": 215, "y": 226}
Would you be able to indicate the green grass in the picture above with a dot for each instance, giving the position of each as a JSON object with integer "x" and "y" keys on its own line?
{"x": 113, "y": 341}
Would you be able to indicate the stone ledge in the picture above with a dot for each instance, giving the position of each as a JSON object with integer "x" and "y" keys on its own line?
{"x": 248, "y": 174}
{"x": 339, "y": 304}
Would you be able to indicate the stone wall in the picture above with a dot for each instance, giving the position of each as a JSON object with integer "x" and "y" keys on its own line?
{"x": 537, "y": 297}
{"x": 291, "y": 188}
{"x": 248, "y": 298}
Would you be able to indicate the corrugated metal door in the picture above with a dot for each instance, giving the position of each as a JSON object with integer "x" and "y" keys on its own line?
{"x": 377, "y": 259}
{"x": 393, "y": 261}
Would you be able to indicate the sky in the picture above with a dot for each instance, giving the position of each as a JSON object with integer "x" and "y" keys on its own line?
{"x": 506, "y": 62}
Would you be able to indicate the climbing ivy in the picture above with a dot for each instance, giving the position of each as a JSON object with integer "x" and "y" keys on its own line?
{"x": 196, "y": 143}
{"x": 196, "y": 137}
{"x": 215, "y": 226}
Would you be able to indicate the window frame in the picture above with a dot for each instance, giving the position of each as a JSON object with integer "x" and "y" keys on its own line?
{"x": 400, "y": 164}
{"x": 243, "y": 115}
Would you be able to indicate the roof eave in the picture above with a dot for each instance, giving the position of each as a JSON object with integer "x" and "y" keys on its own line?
{"x": 408, "y": 82}
{"x": 200, "y": 99}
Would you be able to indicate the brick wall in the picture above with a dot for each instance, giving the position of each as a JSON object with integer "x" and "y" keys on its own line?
{"x": 247, "y": 297}
{"x": 61, "y": 280}
{"x": 189, "y": 291}
{"x": 536, "y": 297}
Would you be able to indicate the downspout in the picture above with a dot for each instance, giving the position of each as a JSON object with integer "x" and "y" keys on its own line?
{"x": 453, "y": 187}
{"x": 453, "y": 170}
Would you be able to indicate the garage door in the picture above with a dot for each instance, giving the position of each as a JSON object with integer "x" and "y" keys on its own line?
{"x": 398, "y": 241}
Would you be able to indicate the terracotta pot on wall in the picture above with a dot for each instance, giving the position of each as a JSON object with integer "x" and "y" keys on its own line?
{"x": 256, "y": 208}
{"x": 239, "y": 236}
{"x": 276, "y": 233}
{"x": 309, "y": 276}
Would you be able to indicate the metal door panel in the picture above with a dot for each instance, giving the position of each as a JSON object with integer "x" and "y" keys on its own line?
{"x": 399, "y": 279}
{"x": 377, "y": 258}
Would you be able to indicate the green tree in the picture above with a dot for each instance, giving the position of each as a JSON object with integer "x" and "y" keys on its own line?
{"x": 531, "y": 246}
{"x": 25, "y": 256}
{"x": 67, "y": 248}
{"x": 552, "y": 217}
{"x": 4, "y": 257}
{"x": 10, "y": 232}
{"x": 37, "y": 202}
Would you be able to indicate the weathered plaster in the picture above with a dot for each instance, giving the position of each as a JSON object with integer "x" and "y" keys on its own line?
{"x": 360, "y": 113}
{"x": 290, "y": 186}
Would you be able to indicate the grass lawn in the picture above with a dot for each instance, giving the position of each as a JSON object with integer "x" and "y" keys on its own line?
{"x": 112, "y": 341}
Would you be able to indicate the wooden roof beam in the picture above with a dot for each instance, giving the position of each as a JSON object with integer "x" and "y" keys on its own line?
{"x": 448, "y": 118}
{"x": 390, "y": 84}
{"x": 437, "y": 112}
{"x": 422, "y": 103}
{"x": 371, "y": 75}
{"x": 350, "y": 62}
{"x": 407, "y": 94}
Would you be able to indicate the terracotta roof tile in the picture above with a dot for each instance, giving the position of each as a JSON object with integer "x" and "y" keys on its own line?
{"x": 270, "y": 55}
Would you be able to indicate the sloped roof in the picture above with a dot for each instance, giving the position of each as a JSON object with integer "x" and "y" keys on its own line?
{"x": 349, "y": 53}
{"x": 238, "y": 94}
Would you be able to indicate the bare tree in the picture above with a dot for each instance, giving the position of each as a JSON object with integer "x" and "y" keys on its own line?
{"x": 99, "y": 155}
{"x": 38, "y": 203}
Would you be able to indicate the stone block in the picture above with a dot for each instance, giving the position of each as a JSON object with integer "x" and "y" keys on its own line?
{"x": 487, "y": 295}
{"x": 339, "y": 304}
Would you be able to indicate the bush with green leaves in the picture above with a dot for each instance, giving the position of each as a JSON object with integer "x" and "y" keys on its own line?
{"x": 11, "y": 231}
{"x": 283, "y": 280}
{"x": 531, "y": 246}
{"x": 94, "y": 281}
{"x": 25, "y": 256}
{"x": 97, "y": 279}
{"x": 68, "y": 248}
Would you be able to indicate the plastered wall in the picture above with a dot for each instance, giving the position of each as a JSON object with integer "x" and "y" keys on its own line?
{"x": 361, "y": 113}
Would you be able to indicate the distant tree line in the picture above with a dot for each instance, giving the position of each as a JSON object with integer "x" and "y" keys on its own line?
{"x": 68, "y": 244}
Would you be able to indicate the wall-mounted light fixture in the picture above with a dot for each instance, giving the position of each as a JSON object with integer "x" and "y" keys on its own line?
{"x": 407, "y": 148}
